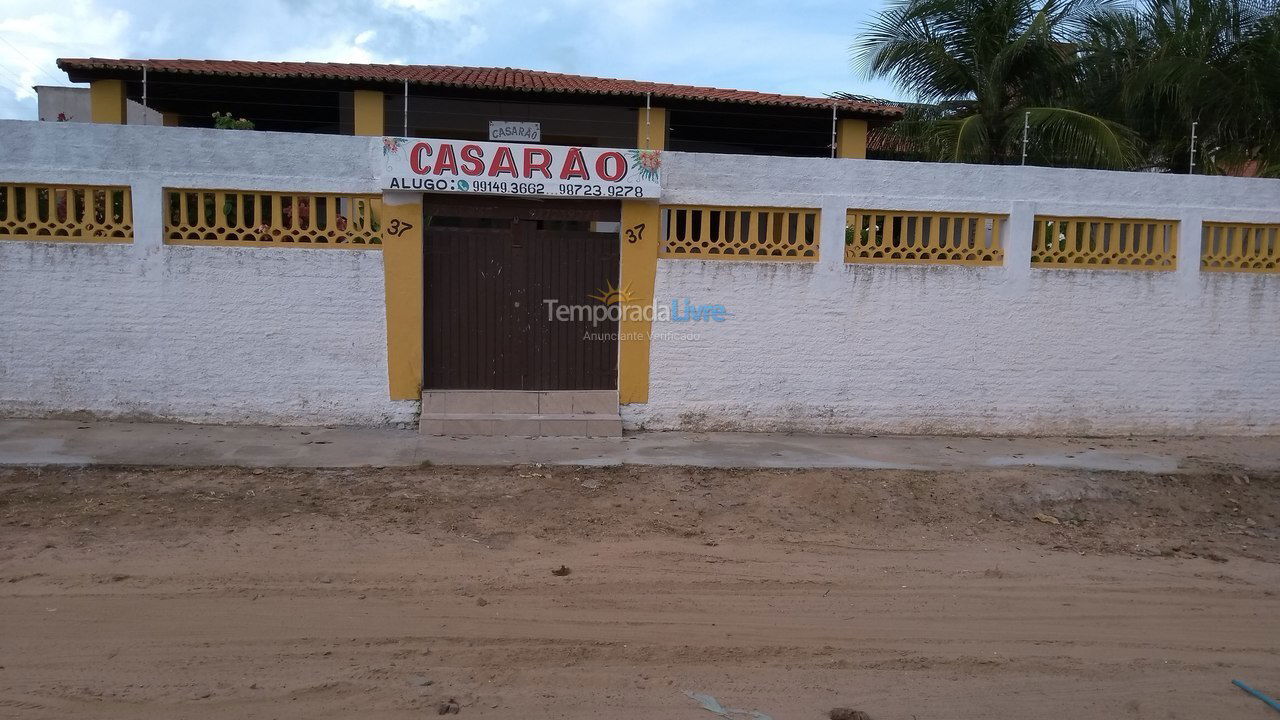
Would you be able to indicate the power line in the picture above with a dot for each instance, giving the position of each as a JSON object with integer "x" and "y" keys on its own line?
{"x": 30, "y": 62}
{"x": 19, "y": 85}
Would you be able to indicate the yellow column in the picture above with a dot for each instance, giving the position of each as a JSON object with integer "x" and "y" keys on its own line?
{"x": 851, "y": 139}
{"x": 641, "y": 222}
{"x": 369, "y": 109}
{"x": 402, "y": 272}
{"x": 106, "y": 101}
{"x": 639, "y": 264}
{"x": 651, "y": 129}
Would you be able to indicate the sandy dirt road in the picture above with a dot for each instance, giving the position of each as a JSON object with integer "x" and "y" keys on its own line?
{"x": 226, "y": 593}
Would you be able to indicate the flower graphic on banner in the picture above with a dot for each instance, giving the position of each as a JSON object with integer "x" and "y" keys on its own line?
{"x": 647, "y": 163}
{"x": 391, "y": 145}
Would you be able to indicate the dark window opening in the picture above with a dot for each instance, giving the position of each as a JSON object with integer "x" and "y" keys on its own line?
{"x": 758, "y": 131}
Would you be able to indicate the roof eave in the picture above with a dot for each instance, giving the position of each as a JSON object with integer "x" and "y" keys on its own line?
{"x": 88, "y": 69}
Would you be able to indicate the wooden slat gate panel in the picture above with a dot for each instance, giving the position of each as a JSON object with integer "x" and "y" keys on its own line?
{"x": 490, "y": 263}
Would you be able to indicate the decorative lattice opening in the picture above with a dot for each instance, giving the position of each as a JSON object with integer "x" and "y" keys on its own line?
{"x": 740, "y": 233}
{"x": 66, "y": 213}
{"x": 1240, "y": 247}
{"x": 223, "y": 217}
{"x": 1104, "y": 243}
{"x": 889, "y": 236}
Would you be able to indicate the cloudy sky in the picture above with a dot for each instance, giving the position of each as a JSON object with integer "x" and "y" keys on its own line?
{"x": 795, "y": 46}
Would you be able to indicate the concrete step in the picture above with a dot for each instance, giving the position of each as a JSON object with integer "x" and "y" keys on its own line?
{"x": 584, "y": 413}
{"x": 558, "y": 402}
{"x": 534, "y": 425}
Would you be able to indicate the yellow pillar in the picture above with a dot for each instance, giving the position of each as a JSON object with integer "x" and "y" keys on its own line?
{"x": 106, "y": 102}
{"x": 402, "y": 271}
{"x": 641, "y": 222}
{"x": 651, "y": 129}
{"x": 851, "y": 139}
{"x": 369, "y": 109}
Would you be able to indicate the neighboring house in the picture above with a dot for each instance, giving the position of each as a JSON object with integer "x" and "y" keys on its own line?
{"x": 460, "y": 102}
{"x": 71, "y": 104}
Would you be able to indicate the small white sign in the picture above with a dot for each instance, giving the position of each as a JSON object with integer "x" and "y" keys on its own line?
{"x": 505, "y": 131}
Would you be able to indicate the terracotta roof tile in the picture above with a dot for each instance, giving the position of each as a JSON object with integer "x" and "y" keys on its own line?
{"x": 472, "y": 77}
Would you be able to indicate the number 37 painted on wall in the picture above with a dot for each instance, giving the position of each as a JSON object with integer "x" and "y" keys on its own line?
{"x": 635, "y": 233}
{"x": 397, "y": 228}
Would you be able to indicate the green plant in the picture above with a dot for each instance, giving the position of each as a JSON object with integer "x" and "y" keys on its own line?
{"x": 854, "y": 234}
{"x": 988, "y": 66}
{"x": 224, "y": 121}
{"x": 1161, "y": 65}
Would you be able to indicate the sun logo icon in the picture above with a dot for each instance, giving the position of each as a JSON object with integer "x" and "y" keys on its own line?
{"x": 612, "y": 295}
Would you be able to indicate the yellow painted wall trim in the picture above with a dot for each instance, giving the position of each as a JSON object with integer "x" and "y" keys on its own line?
{"x": 639, "y": 266}
{"x": 641, "y": 228}
{"x": 369, "y": 112}
{"x": 651, "y": 129}
{"x": 107, "y": 102}
{"x": 912, "y": 237}
{"x": 719, "y": 232}
{"x": 1240, "y": 247}
{"x": 851, "y": 138}
{"x": 403, "y": 270}
{"x": 66, "y": 213}
{"x": 272, "y": 219}
{"x": 1100, "y": 243}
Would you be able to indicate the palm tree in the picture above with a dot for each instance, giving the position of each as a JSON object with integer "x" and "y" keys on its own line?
{"x": 1161, "y": 65}
{"x": 990, "y": 65}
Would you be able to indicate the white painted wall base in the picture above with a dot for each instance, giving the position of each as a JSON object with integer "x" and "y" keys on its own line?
{"x": 198, "y": 334}
{"x": 942, "y": 350}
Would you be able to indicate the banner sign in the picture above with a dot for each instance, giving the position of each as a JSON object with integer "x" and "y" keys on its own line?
{"x": 500, "y": 130}
{"x": 463, "y": 166}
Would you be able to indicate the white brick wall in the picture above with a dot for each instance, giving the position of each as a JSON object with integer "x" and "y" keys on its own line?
{"x": 298, "y": 336}
{"x": 201, "y": 334}
{"x": 204, "y": 334}
{"x": 965, "y": 350}
{"x": 1007, "y": 350}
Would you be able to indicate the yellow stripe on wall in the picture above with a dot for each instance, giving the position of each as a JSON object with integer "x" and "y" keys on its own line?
{"x": 639, "y": 266}
{"x": 402, "y": 267}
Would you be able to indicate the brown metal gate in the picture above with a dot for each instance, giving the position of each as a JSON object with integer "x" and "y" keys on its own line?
{"x": 490, "y": 265}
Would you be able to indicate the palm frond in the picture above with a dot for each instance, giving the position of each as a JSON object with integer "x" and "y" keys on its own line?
{"x": 902, "y": 43}
{"x": 962, "y": 139}
{"x": 1073, "y": 135}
